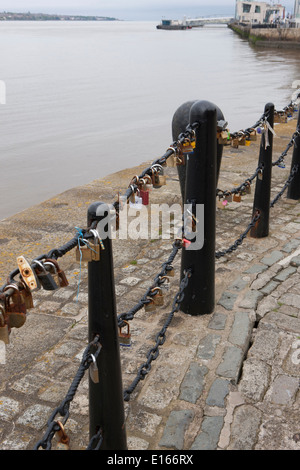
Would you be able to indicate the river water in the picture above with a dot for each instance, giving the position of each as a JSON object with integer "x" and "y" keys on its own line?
{"x": 86, "y": 99}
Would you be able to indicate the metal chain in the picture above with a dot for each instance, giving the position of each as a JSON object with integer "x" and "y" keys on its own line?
{"x": 240, "y": 240}
{"x": 158, "y": 281}
{"x": 160, "y": 338}
{"x": 63, "y": 409}
{"x": 280, "y": 160}
{"x": 242, "y": 187}
{"x": 96, "y": 439}
{"x": 292, "y": 175}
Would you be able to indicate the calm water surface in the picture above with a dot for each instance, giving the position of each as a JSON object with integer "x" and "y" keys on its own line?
{"x": 87, "y": 99}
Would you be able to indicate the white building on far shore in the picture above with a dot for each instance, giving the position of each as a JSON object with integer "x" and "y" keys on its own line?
{"x": 250, "y": 11}
{"x": 297, "y": 12}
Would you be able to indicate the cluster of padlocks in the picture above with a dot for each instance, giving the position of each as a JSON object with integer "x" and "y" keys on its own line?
{"x": 154, "y": 299}
{"x": 16, "y": 297}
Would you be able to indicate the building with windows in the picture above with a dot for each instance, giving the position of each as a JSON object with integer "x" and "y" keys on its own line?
{"x": 297, "y": 12}
{"x": 259, "y": 12}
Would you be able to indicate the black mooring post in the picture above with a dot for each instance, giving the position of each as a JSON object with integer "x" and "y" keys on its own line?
{"x": 200, "y": 199}
{"x": 106, "y": 400}
{"x": 261, "y": 203}
{"x": 180, "y": 121}
{"x": 294, "y": 188}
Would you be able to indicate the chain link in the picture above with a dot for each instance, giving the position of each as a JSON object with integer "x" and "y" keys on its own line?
{"x": 160, "y": 338}
{"x": 63, "y": 409}
{"x": 240, "y": 240}
{"x": 158, "y": 281}
{"x": 292, "y": 175}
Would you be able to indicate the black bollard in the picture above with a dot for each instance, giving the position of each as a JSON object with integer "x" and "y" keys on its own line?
{"x": 180, "y": 121}
{"x": 200, "y": 199}
{"x": 294, "y": 188}
{"x": 105, "y": 397}
{"x": 262, "y": 195}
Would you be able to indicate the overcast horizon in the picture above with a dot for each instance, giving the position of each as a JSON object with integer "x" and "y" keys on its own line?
{"x": 135, "y": 9}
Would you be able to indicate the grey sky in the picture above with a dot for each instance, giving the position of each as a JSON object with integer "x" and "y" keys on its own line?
{"x": 125, "y": 9}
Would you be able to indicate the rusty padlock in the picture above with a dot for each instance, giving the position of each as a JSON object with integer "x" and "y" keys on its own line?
{"x": 237, "y": 197}
{"x": 28, "y": 274}
{"x": 26, "y": 294}
{"x": 4, "y": 330}
{"x": 57, "y": 273}
{"x": 15, "y": 307}
{"x": 63, "y": 438}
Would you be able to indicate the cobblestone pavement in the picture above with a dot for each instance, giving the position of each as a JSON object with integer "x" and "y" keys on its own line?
{"x": 227, "y": 380}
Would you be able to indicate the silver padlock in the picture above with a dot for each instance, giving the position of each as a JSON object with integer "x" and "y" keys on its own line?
{"x": 93, "y": 370}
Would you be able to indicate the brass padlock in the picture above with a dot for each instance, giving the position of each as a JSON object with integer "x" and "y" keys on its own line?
{"x": 88, "y": 252}
{"x": 15, "y": 308}
{"x": 253, "y": 135}
{"x": 242, "y": 140}
{"x": 222, "y": 137}
{"x": 170, "y": 270}
{"x": 158, "y": 177}
{"x": 125, "y": 338}
{"x": 171, "y": 160}
{"x": 150, "y": 305}
{"x": 28, "y": 274}
{"x": 235, "y": 143}
{"x": 158, "y": 297}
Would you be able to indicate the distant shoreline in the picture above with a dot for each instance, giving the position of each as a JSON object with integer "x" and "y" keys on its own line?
{"x": 10, "y": 16}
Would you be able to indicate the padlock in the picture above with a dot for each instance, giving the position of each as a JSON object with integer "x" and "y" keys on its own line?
{"x": 147, "y": 183}
{"x": 222, "y": 137}
{"x": 229, "y": 197}
{"x": 248, "y": 188}
{"x": 164, "y": 284}
{"x": 170, "y": 270}
{"x": 15, "y": 307}
{"x": 237, "y": 197}
{"x": 88, "y": 252}
{"x": 260, "y": 175}
{"x": 189, "y": 144}
{"x": 4, "y": 330}
{"x": 158, "y": 177}
{"x": 150, "y": 305}
{"x": 93, "y": 370}
{"x": 242, "y": 140}
{"x": 26, "y": 294}
{"x": 144, "y": 191}
{"x": 253, "y": 135}
{"x": 58, "y": 274}
{"x": 222, "y": 203}
{"x": 235, "y": 143}
{"x": 158, "y": 297}
{"x": 63, "y": 438}
{"x": 125, "y": 338}
{"x": 46, "y": 279}
{"x": 28, "y": 274}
